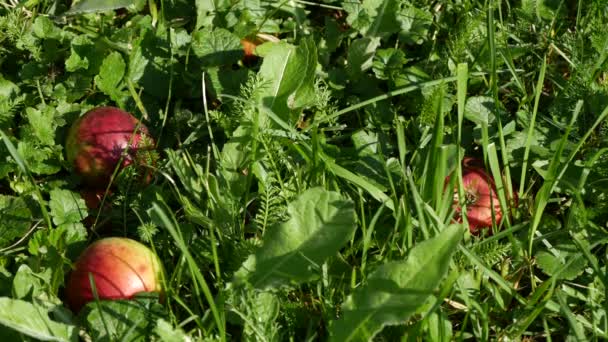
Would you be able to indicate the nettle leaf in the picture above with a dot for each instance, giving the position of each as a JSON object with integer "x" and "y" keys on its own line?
{"x": 67, "y": 207}
{"x": 111, "y": 73}
{"x": 361, "y": 55}
{"x": 415, "y": 24}
{"x": 122, "y": 320}
{"x": 43, "y": 124}
{"x": 41, "y": 160}
{"x": 568, "y": 268}
{"x": 33, "y": 320}
{"x": 217, "y": 47}
{"x": 395, "y": 290}
{"x": 321, "y": 222}
{"x": 16, "y": 218}
{"x": 288, "y": 75}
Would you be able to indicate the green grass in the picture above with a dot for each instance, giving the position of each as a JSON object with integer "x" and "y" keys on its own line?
{"x": 302, "y": 195}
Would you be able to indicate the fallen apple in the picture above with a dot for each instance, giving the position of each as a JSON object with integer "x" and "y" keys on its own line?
{"x": 249, "y": 45}
{"x": 480, "y": 197}
{"x": 97, "y": 141}
{"x": 119, "y": 269}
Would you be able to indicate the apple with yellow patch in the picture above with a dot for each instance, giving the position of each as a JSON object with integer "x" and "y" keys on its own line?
{"x": 118, "y": 267}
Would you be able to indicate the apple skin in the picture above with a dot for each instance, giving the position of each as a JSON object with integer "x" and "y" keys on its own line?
{"x": 120, "y": 268}
{"x": 481, "y": 197}
{"x": 249, "y": 45}
{"x": 97, "y": 140}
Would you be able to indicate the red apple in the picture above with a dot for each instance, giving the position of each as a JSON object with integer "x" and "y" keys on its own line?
{"x": 480, "y": 197}
{"x": 119, "y": 267}
{"x": 97, "y": 140}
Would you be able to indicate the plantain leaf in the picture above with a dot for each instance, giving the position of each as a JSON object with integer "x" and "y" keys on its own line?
{"x": 396, "y": 289}
{"x": 321, "y": 222}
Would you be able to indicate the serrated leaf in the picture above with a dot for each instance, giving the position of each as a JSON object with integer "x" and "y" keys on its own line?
{"x": 111, "y": 73}
{"x": 43, "y": 124}
{"x": 217, "y": 47}
{"x": 67, "y": 207}
{"x": 569, "y": 264}
{"x": 33, "y": 320}
{"x": 94, "y": 6}
{"x": 395, "y": 290}
{"x": 321, "y": 222}
{"x": 40, "y": 160}
{"x": 16, "y": 218}
{"x": 288, "y": 76}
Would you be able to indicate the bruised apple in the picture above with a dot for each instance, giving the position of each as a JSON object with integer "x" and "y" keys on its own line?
{"x": 97, "y": 141}
{"x": 480, "y": 197}
{"x": 119, "y": 268}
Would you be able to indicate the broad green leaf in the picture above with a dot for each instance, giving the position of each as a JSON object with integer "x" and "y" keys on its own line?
{"x": 42, "y": 160}
{"x": 121, "y": 320}
{"x": 167, "y": 333}
{"x": 373, "y": 18}
{"x": 385, "y": 14}
{"x": 321, "y": 222}
{"x": 66, "y": 207}
{"x": 395, "y": 290}
{"x": 111, "y": 73}
{"x": 85, "y": 55}
{"x": 43, "y": 27}
{"x": 388, "y": 63}
{"x": 16, "y": 218}
{"x": 28, "y": 283}
{"x": 8, "y": 88}
{"x": 415, "y": 24}
{"x": 361, "y": 55}
{"x": 34, "y": 321}
{"x": 92, "y": 6}
{"x": 288, "y": 77}
{"x": 217, "y": 47}
{"x": 480, "y": 109}
{"x": 226, "y": 81}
